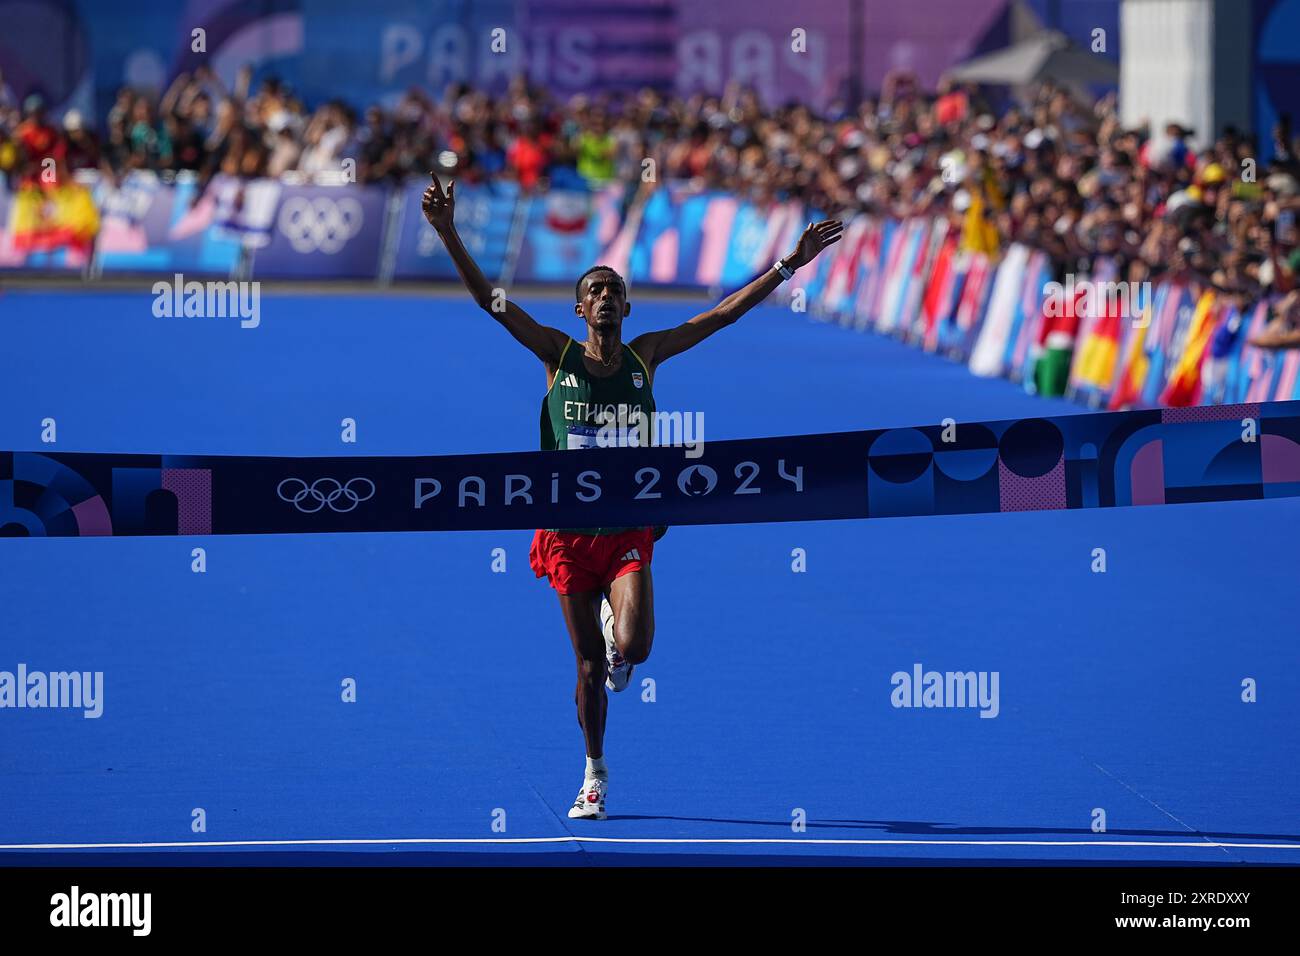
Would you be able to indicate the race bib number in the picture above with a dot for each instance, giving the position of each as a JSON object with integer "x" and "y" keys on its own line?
{"x": 582, "y": 436}
{"x": 591, "y": 436}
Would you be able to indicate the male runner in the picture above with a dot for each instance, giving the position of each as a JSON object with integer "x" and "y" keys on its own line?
{"x": 602, "y": 575}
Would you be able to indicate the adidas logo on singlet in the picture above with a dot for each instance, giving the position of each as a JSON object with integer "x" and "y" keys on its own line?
{"x": 569, "y": 381}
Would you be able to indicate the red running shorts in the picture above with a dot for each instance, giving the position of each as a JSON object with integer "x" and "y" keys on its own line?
{"x": 574, "y": 563}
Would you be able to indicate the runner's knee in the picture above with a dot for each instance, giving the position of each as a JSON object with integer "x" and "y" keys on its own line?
{"x": 637, "y": 644}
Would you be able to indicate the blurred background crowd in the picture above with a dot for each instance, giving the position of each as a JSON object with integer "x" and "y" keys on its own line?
{"x": 1048, "y": 170}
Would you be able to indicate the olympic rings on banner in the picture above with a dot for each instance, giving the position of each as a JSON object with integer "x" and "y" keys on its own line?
{"x": 320, "y": 225}
{"x": 317, "y": 499}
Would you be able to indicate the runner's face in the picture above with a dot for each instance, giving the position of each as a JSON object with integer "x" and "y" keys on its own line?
{"x": 604, "y": 303}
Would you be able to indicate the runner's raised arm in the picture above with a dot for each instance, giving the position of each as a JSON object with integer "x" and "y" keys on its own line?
{"x": 656, "y": 347}
{"x": 543, "y": 341}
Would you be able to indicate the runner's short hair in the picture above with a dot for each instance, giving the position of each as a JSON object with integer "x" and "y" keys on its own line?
{"x": 577, "y": 290}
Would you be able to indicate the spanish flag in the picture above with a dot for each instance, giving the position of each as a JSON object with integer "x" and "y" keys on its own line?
{"x": 1184, "y": 385}
{"x": 44, "y": 219}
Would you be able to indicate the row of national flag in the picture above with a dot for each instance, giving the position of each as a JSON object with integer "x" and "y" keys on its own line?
{"x": 1133, "y": 345}
{"x": 1187, "y": 346}
{"x": 1095, "y": 338}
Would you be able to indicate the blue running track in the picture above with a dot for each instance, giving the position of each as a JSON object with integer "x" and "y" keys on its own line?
{"x": 1118, "y": 691}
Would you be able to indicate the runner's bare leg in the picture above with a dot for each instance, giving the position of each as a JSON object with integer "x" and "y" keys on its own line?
{"x": 589, "y": 649}
{"x": 633, "y": 599}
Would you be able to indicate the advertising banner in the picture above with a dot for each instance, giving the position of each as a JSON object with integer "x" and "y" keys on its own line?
{"x": 324, "y": 232}
{"x": 566, "y": 232}
{"x": 484, "y": 217}
{"x": 151, "y": 226}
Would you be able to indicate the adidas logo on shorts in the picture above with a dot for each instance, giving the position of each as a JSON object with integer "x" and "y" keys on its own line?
{"x": 632, "y": 555}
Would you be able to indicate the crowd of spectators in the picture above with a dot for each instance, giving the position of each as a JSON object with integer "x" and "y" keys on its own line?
{"x": 1054, "y": 172}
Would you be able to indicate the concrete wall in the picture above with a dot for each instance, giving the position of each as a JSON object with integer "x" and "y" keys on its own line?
{"x": 1186, "y": 61}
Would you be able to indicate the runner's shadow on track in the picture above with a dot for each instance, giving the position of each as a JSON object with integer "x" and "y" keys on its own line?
{"x": 922, "y": 828}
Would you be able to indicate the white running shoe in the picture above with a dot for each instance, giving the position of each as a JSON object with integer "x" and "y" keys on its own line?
{"x": 617, "y": 671}
{"x": 590, "y": 804}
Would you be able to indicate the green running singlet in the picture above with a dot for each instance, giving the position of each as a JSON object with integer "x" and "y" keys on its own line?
{"x": 573, "y": 408}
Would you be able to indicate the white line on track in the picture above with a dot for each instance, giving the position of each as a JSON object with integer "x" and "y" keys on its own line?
{"x": 431, "y": 841}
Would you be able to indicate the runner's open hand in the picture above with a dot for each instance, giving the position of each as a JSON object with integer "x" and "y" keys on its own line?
{"x": 815, "y": 238}
{"x": 439, "y": 207}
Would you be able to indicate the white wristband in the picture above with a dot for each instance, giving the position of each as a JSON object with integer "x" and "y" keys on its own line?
{"x": 781, "y": 267}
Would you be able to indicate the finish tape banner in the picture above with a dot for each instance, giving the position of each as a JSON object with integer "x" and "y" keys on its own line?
{"x": 1100, "y": 460}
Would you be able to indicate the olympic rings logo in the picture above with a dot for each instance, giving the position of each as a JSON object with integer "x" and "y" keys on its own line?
{"x": 321, "y": 224}
{"x": 315, "y": 498}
